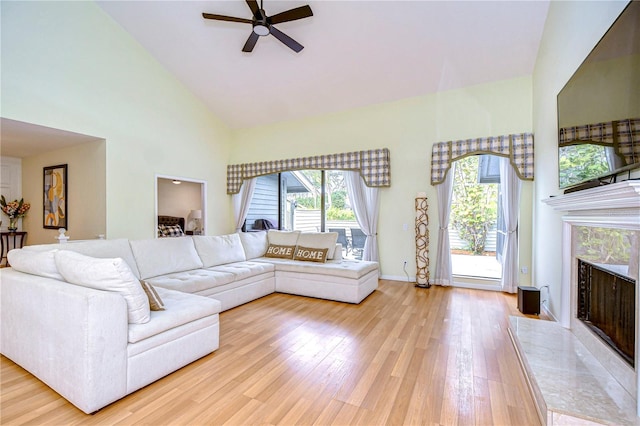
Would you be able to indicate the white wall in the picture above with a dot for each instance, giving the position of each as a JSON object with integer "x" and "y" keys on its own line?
{"x": 10, "y": 185}
{"x": 572, "y": 29}
{"x": 409, "y": 128}
{"x": 67, "y": 65}
{"x": 86, "y": 187}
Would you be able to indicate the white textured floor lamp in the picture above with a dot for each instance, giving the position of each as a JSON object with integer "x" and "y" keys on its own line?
{"x": 422, "y": 241}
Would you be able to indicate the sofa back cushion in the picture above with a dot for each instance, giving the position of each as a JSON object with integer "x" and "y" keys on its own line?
{"x": 319, "y": 240}
{"x": 162, "y": 256}
{"x": 219, "y": 250}
{"x": 108, "y": 275}
{"x": 96, "y": 248}
{"x": 283, "y": 238}
{"x": 254, "y": 244}
{"x": 41, "y": 263}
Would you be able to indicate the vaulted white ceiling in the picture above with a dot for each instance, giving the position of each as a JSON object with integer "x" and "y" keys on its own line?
{"x": 356, "y": 52}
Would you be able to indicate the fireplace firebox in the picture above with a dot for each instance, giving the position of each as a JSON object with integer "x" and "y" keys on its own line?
{"x": 607, "y": 305}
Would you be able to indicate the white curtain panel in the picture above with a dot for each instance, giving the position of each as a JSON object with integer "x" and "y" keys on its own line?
{"x": 510, "y": 187}
{"x": 366, "y": 206}
{"x": 241, "y": 202}
{"x": 442, "y": 273}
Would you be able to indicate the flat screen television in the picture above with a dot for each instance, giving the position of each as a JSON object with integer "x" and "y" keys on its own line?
{"x": 599, "y": 109}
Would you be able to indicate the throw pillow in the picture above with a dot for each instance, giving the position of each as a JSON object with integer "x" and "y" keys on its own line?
{"x": 281, "y": 252}
{"x": 172, "y": 231}
{"x": 41, "y": 263}
{"x": 155, "y": 302}
{"x": 310, "y": 254}
{"x": 105, "y": 274}
{"x": 319, "y": 240}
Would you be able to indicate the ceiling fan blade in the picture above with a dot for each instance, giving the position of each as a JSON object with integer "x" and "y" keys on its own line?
{"x": 291, "y": 43}
{"x": 251, "y": 42}
{"x": 291, "y": 15}
{"x": 253, "y": 5}
{"x": 226, "y": 18}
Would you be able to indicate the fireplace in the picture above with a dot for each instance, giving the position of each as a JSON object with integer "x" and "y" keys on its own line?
{"x": 601, "y": 227}
{"x": 607, "y": 305}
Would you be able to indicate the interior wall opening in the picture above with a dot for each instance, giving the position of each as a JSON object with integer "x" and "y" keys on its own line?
{"x": 182, "y": 198}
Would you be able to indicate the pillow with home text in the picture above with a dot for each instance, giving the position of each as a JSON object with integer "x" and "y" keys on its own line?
{"x": 310, "y": 254}
{"x": 280, "y": 252}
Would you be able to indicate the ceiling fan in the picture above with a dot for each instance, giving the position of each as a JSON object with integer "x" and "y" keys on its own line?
{"x": 263, "y": 24}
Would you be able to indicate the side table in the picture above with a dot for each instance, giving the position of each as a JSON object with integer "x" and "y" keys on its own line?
{"x": 8, "y": 241}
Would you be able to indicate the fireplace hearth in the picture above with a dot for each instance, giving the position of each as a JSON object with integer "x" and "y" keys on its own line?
{"x": 607, "y": 305}
{"x": 585, "y": 366}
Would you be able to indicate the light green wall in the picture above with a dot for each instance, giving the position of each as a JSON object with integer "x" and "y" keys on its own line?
{"x": 67, "y": 65}
{"x": 572, "y": 29}
{"x": 408, "y": 128}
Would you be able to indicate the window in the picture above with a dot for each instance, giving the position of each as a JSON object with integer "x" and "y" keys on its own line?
{"x": 309, "y": 201}
{"x": 475, "y": 218}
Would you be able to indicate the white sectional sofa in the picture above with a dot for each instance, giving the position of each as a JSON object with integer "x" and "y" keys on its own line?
{"x": 96, "y": 340}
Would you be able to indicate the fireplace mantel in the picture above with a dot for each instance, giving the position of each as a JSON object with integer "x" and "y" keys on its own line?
{"x": 622, "y": 195}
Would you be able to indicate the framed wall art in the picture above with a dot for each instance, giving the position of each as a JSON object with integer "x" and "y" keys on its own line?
{"x": 55, "y": 197}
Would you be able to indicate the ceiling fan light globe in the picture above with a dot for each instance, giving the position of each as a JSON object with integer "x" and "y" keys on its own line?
{"x": 261, "y": 30}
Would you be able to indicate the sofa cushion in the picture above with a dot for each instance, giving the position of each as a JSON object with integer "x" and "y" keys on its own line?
{"x": 106, "y": 249}
{"x": 105, "y": 274}
{"x": 254, "y": 244}
{"x": 243, "y": 270}
{"x": 35, "y": 263}
{"x": 319, "y": 240}
{"x": 161, "y": 256}
{"x": 353, "y": 269}
{"x": 219, "y": 250}
{"x": 283, "y": 238}
{"x": 310, "y": 254}
{"x": 193, "y": 281}
{"x": 181, "y": 308}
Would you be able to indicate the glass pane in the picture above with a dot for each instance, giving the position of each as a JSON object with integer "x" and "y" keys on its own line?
{"x": 263, "y": 211}
{"x": 473, "y": 224}
{"x": 608, "y": 248}
{"x": 340, "y": 217}
{"x": 303, "y": 209}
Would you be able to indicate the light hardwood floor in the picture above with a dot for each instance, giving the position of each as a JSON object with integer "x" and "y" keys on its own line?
{"x": 438, "y": 356}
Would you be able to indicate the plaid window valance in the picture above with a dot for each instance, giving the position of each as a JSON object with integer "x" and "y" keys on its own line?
{"x": 623, "y": 135}
{"x": 373, "y": 166}
{"x": 517, "y": 147}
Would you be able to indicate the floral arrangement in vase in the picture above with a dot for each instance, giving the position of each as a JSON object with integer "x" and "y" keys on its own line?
{"x": 14, "y": 209}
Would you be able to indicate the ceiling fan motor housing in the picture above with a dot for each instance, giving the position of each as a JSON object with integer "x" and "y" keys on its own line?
{"x": 261, "y": 24}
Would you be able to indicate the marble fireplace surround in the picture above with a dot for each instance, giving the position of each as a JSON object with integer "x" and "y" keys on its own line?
{"x": 612, "y": 206}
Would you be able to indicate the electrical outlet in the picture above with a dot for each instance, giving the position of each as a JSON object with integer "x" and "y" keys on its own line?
{"x": 405, "y": 227}
{"x": 524, "y": 270}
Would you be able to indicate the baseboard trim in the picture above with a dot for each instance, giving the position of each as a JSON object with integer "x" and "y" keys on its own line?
{"x": 398, "y": 278}
{"x": 475, "y": 286}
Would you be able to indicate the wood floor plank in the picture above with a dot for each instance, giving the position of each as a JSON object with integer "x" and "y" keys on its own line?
{"x": 404, "y": 356}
